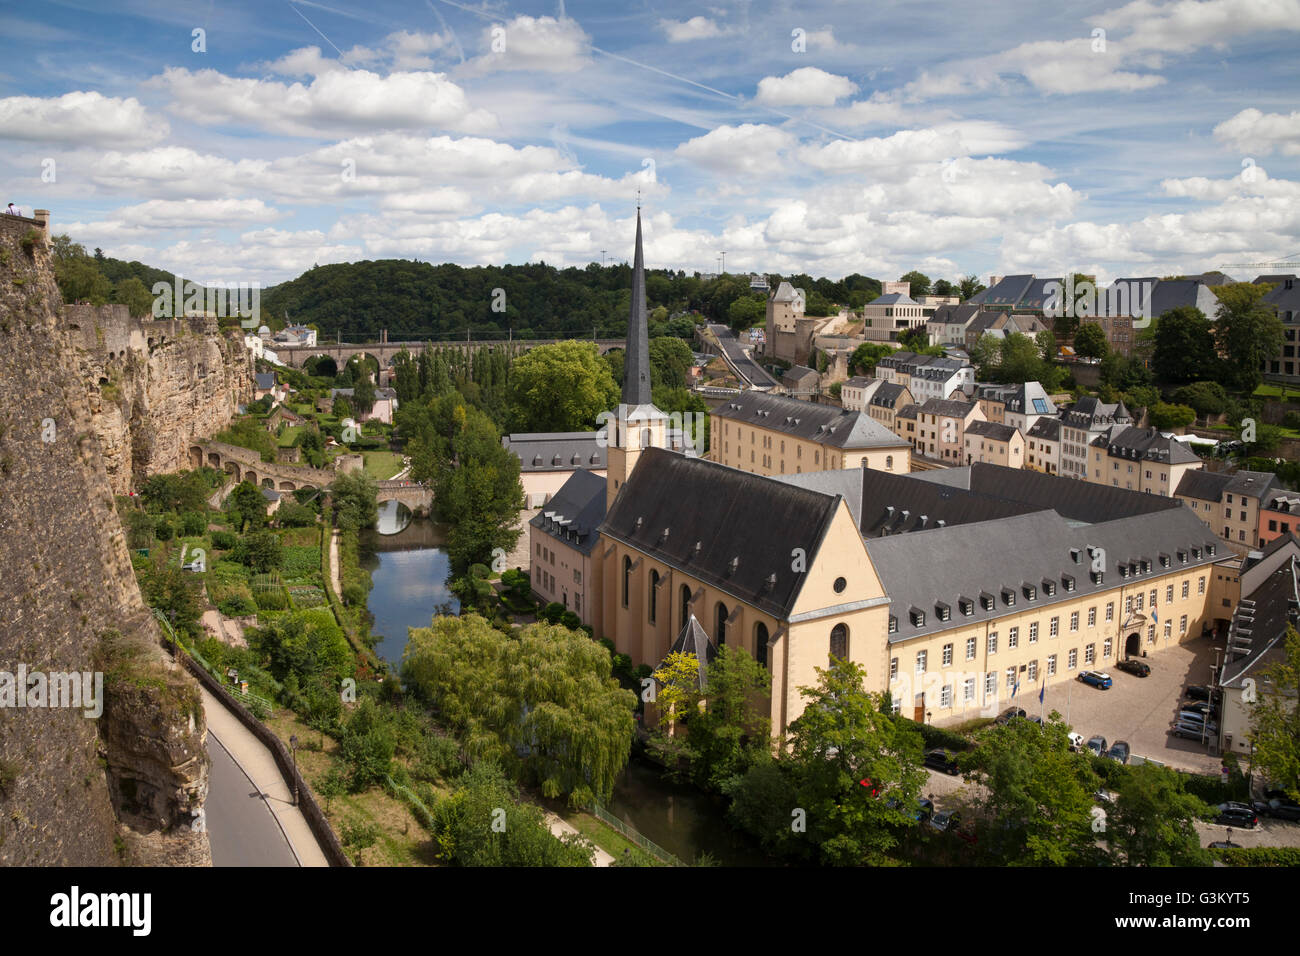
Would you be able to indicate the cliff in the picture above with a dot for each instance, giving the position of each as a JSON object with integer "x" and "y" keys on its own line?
{"x": 123, "y": 786}
{"x": 159, "y": 386}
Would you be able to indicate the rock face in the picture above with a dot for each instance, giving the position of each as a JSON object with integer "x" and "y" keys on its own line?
{"x": 160, "y": 385}
{"x": 71, "y": 603}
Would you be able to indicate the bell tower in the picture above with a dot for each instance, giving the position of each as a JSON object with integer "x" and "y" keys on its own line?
{"x": 636, "y": 424}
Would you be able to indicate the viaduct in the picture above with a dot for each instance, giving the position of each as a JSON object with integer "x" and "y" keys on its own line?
{"x": 384, "y": 351}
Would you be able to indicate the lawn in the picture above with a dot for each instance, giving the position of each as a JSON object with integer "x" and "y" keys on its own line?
{"x": 382, "y": 465}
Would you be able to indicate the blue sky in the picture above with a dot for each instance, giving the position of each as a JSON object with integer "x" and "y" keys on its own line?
{"x": 1115, "y": 138}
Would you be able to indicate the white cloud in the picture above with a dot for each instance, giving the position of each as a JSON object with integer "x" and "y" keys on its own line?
{"x": 539, "y": 44}
{"x": 80, "y": 118}
{"x": 337, "y": 100}
{"x": 1252, "y": 131}
{"x": 696, "y": 28}
{"x": 806, "y": 86}
{"x": 748, "y": 148}
{"x": 147, "y": 218}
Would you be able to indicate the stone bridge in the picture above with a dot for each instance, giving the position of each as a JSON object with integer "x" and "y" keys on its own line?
{"x": 416, "y": 496}
{"x": 384, "y": 352}
{"x": 243, "y": 464}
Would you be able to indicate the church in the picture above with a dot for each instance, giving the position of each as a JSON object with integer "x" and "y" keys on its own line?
{"x": 958, "y": 590}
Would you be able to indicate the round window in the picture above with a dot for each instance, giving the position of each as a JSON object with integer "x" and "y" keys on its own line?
{"x": 840, "y": 585}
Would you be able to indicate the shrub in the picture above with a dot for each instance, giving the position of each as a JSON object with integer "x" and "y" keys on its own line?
{"x": 553, "y": 612}
{"x": 223, "y": 540}
{"x": 1258, "y": 856}
{"x": 163, "y": 530}
{"x": 1291, "y": 420}
{"x": 193, "y": 524}
{"x": 237, "y": 606}
{"x": 570, "y": 620}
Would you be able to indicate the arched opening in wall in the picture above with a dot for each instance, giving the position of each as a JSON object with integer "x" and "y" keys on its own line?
{"x": 1133, "y": 645}
{"x": 646, "y": 440}
{"x": 196, "y": 456}
{"x": 102, "y": 381}
{"x": 653, "y": 601}
{"x": 686, "y": 606}
{"x": 286, "y": 486}
{"x": 840, "y": 642}
{"x": 889, "y": 463}
{"x": 760, "y": 643}
{"x": 268, "y": 483}
{"x": 232, "y": 469}
{"x": 720, "y": 623}
{"x": 214, "y": 460}
{"x": 251, "y": 477}
{"x": 627, "y": 579}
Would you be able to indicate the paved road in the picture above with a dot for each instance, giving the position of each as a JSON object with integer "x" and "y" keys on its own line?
{"x": 241, "y": 828}
{"x": 740, "y": 360}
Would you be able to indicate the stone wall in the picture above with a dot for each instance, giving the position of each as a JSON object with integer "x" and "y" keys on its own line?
{"x": 159, "y": 386}
{"x": 67, "y": 591}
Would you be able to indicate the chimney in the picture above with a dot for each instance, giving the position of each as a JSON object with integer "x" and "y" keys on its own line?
{"x": 43, "y": 217}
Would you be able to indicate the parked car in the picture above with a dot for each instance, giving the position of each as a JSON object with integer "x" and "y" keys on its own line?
{"x": 1119, "y": 750}
{"x": 941, "y": 760}
{"x": 1197, "y": 692}
{"x": 1193, "y": 717}
{"x": 1036, "y": 720}
{"x": 1010, "y": 714}
{"x": 1200, "y": 707}
{"x": 1097, "y": 745}
{"x": 1076, "y": 741}
{"x": 1279, "y": 809}
{"x": 1278, "y": 795}
{"x": 1190, "y": 731}
{"x": 1236, "y": 815}
{"x": 946, "y": 820}
{"x": 924, "y": 810}
{"x": 1096, "y": 679}
{"x": 1135, "y": 667}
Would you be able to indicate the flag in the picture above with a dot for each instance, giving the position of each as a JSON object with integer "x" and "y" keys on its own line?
{"x": 1155, "y": 617}
{"x": 1042, "y": 692}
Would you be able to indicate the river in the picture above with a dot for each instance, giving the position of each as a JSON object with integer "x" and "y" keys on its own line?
{"x": 408, "y": 574}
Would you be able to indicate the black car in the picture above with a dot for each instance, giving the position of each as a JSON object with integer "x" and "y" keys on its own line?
{"x": 941, "y": 760}
{"x": 1197, "y": 692}
{"x": 1190, "y": 731}
{"x": 1010, "y": 714}
{"x": 1278, "y": 809}
{"x": 1119, "y": 750}
{"x": 1203, "y": 707}
{"x": 1237, "y": 815}
{"x": 1135, "y": 667}
{"x": 946, "y": 820}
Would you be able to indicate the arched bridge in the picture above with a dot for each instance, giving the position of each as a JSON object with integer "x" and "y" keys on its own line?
{"x": 384, "y": 352}
{"x": 416, "y": 496}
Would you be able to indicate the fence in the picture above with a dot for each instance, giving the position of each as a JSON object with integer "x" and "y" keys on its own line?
{"x": 614, "y": 823}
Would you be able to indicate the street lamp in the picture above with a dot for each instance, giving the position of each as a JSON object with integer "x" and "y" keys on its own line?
{"x": 293, "y": 749}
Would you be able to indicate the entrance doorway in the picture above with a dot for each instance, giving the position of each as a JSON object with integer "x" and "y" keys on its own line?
{"x": 1132, "y": 645}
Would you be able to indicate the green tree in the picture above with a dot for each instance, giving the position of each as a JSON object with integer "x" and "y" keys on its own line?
{"x": 1165, "y": 416}
{"x": 1090, "y": 341}
{"x": 858, "y": 770}
{"x": 1153, "y": 820}
{"x": 363, "y": 396}
{"x": 262, "y": 551}
{"x": 1247, "y": 332}
{"x": 865, "y": 356}
{"x": 945, "y": 288}
{"x": 744, "y": 312}
{"x": 133, "y": 294}
{"x": 247, "y": 506}
{"x": 1184, "y": 346}
{"x": 1039, "y": 801}
{"x": 971, "y": 286}
{"x": 669, "y": 360}
{"x": 1205, "y": 398}
{"x": 560, "y": 388}
{"x": 1275, "y": 718}
{"x": 177, "y": 593}
{"x": 1046, "y": 342}
{"x": 545, "y": 691}
{"x": 355, "y": 505}
{"x": 678, "y": 689}
{"x": 918, "y": 283}
{"x": 732, "y": 730}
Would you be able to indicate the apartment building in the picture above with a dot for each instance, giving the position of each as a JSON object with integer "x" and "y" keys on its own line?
{"x": 994, "y": 444}
{"x": 1140, "y": 459}
{"x": 1080, "y": 425}
{"x": 939, "y": 377}
{"x": 889, "y": 315}
{"x": 1043, "y": 446}
{"x": 775, "y": 435}
{"x": 856, "y": 392}
{"x": 1279, "y": 515}
{"x": 1285, "y": 298}
{"x": 562, "y": 541}
{"x": 884, "y": 404}
{"x": 1229, "y": 502}
{"x": 941, "y": 426}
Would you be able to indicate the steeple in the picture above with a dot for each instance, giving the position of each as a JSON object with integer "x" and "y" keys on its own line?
{"x": 636, "y": 357}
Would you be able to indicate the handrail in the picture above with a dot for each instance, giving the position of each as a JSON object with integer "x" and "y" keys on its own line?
{"x": 604, "y": 816}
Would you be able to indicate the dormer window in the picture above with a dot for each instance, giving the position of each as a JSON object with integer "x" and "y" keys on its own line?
{"x": 1123, "y": 570}
{"x": 1068, "y": 581}
{"x": 1210, "y": 549}
{"x": 1097, "y": 576}
{"x": 1164, "y": 561}
{"x": 986, "y": 601}
{"x": 1031, "y": 592}
{"x": 1196, "y": 553}
{"x": 1049, "y": 587}
{"x": 966, "y": 606}
{"x": 893, "y": 624}
{"x": 917, "y": 616}
{"x": 1146, "y": 566}
{"x": 1074, "y": 555}
{"x": 1182, "y": 557}
{"x": 1008, "y": 597}
{"x": 942, "y": 611}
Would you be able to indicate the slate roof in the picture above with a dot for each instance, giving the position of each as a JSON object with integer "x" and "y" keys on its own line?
{"x": 799, "y": 374}
{"x": 1285, "y": 296}
{"x": 991, "y": 430}
{"x": 1020, "y": 399}
{"x": 1036, "y": 295}
{"x": 722, "y": 525}
{"x": 1046, "y": 429}
{"x": 265, "y": 379}
{"x": 786, "y": 293}
{"x": 1008, "y": 291}
{"x": 923, "y": 568}
{"x": 693, "y": 640}
{"x": 858, "y": 381}
{"x": 825, "y": 424}
{"x": 1145, "y": 444}
{"x": 888, "y": 395}
{"x": 896, "y": 359}
{"x": 894, "y": 298}
{"x": 1091, "y": 412}
{"x": 555, "y": 451}
{"x": 575, "y": 512}
{"x": 1259, "y": 624}
{"x": 908, "y": 411}
{"x": 950, "y": 407}
{"x": 1213, "y": 485}
{"x": 1173, "y": 293}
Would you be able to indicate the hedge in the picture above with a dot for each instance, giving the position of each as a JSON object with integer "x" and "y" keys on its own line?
{"x": 1258, "y": 856}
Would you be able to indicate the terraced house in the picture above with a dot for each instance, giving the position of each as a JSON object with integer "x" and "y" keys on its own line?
{"x": 1230, "y": 503}
{"x": 1140, "y": 459}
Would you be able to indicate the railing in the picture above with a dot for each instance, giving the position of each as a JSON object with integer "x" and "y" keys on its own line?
{"x": 614, "y": 823}
{"x": 258, "y": 705}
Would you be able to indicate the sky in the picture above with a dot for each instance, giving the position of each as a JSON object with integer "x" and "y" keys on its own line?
{"x": 247, "y": 141}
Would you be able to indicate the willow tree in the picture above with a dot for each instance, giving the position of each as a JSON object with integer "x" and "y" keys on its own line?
{"x": 542, "y": 702}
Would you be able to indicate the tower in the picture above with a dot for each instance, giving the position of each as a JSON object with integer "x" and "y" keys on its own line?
{"x": 637, "y": 424}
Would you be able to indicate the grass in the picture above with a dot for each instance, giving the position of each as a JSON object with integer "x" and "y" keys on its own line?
{"x": 609, "y": 840}
{"x": 381, "y": 465}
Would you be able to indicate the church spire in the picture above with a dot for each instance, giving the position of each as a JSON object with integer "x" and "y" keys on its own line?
{"x": 636, "y": 357}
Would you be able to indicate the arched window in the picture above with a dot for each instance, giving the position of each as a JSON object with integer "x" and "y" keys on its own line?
{"x": 686, "y": 606}
{"x": 721, "y": 624}
{"x": 840, "y": 642}
{"x": 889, "y": 463}
{"x": 627, "y": 578}
{"x": 654, "y": 594}
{"x": 864, "y": 462}
{"x": 760, "y": 643}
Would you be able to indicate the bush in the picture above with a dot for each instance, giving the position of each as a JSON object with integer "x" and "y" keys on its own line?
{"x": 237, "y": 606}
{"x": 570, "y": 620}
{"x": 163, "y": 530}
{"x": 223, "y": 540}
{"x": 934, "y": 736}
{"x": 1258, "y": 856}
{"x": 553, "y": 612}
{"x": 1291, "y": 420}
{"x": 293, "y": 515}
{"x": 193, "y": 524}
